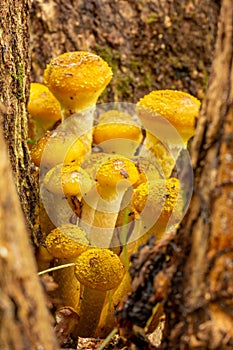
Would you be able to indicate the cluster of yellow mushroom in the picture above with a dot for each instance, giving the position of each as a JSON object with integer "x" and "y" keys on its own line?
{"x": 113, "y": 206}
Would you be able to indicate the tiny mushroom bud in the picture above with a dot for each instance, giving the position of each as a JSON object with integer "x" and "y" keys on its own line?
{"x": 98, "y": 270}
{"x": 65, "y": 244}
{"x": 43, "y": 107}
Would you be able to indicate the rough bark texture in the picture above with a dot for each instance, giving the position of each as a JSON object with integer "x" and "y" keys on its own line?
{"x": 24, "y": 320}
{"x": 191, "y": 273}
{"x": 150, "y": 45}
{"x": 204, "y": 317}
{"x": 15, "y": 69}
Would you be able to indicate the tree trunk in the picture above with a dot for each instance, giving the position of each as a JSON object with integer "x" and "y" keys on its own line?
{"x": 191, "y": 273}
{"x": 14, "y": 82}
{"x": 202, "y": 301}
{"x": 150, "y": 45}
{"x": 24, "y": 320}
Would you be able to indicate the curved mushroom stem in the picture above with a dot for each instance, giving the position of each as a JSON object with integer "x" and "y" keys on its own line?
{"x": 107, "y": 319}
{"x": 92, "y": 302}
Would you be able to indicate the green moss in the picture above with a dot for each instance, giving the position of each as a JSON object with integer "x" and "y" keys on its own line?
{"x": 152, "y": 18}
{"x": 112, "y": 57}
{"x": 19, "y": 78}
{"x": 124, "y": 85}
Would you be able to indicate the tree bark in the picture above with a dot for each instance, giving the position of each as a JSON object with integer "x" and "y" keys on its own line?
{"x": 202, "y": 302}
{"x": 191, "y": 273}
{"x": 24, "y": 319}
{"x": 150, "y": 45}
{"x": 14, "y": 82}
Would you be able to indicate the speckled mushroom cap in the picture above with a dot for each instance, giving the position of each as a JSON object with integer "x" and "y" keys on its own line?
{"x": 68, "y": 179}
{"x": 77, "y": 78}
{"x": 43, "y": 104}
{"x": 39, "y": 147}
{"x": 99, "y": 269}
{"x": 67, "y": 241}
{"x": 57, "y": 147}
{"x": 163, "y": 195}
{"x": 179, "y": 108}
{"x": 117, "y": 168}
{"x": 115, "y": 124}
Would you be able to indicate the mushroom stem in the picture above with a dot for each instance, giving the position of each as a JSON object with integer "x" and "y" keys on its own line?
{"x": 107, "y": 319}
{"x": 99, "y": 271}
{"x": 68, "y": 291}
{"x": 66, "y": 243}
{"x": 113, "y": 178}
{"x": 92, "y": 302}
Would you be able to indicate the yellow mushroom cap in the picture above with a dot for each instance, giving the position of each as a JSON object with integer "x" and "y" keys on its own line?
{"x": 39, "y": 147}
{"x": 67, "y": 241}
{"x": 75, "y": 153}
{"x": 117, "y": 168}
{"x": 43, "y": 104}
{"x": 75, "y": 180}
{"x": 99, "y": 269}
{"x": 77, "y": 78}
{"x": 68, "y": 179}
{"x": 159, "y": 195}
{"x": 179, "y": 108}
{"x": 115, "y": 124}
{"x": 57, "y": 147}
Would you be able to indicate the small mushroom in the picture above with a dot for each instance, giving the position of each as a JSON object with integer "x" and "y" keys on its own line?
{"x": 62, "y": 189}
{"x": 65, "y": 244}
{"x": 169, "y": 119}
{"x": 158, "y": 206}
{"x": 115, "y": 175}
{"x": 98, "y": 270}
{"x": 77, "y": 79}
{"x": 118, "y": 133}
{"x": 43, "y": 107}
